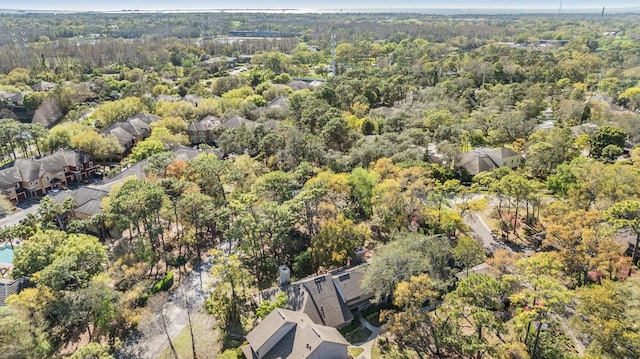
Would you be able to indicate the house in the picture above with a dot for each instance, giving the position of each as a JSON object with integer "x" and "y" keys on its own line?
{"x": 584, "y": 129}
{"x": 236, "y": 122}
{"x": 28, "y": 177}
{"x": 203, "y": 131}
{"x": 124, "y": 138}
{"x": 298, "y": 85}
{"x": 287, "y": 334}
{"x": 43, "y": 86}
{"x": 132, "y": 130}
{"x": 12, "y": 286}
{"x": 87, "y": 201}
{"x": 184, "y": 153}
{"x": 275, "y": 109}
{"x": 487, "y": 159}
{"x": 327, "y": 299}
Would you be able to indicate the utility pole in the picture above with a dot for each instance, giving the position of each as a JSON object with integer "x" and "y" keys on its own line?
{"x": 333, "y": 52}
{"x": 560, "y": 9}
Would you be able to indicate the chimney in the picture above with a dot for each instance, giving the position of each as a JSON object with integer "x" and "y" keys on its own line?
{"x": 285, "y": 275}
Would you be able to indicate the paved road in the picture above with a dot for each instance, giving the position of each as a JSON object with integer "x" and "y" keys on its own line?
{"x": 15, "y": 218}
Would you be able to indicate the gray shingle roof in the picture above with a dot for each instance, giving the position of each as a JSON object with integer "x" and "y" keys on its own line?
{"x": 60, "y": 159}
{"x": 236, "y": 122}
{"x": 29, "y": 169}
{"x": 475, "y": 164}
{"x": 123, "y": 136}
{"x": 325, "y": 298}
{"x": 146, "y": 117}
{"x": 9, "y": 177}
{"x": 302, "y": 338}
{"x": 206, "y": 124}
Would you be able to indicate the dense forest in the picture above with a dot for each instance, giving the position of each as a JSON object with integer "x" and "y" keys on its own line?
{"x": 318, "y": 151}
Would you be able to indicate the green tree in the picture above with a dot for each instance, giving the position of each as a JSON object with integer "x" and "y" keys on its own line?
{"x": 362, "y": 183}
{"x": 118, "y": 110}
{"x": 229, "y": 300}
{"x": 468, "y": 253}
{"x": 336, "y": 242}
{"x": 145, "y": 149}
{"x": 19, "y": 338}
{"x": 605, "y": 136}
{"x": 626, "y": 214}
{"x": 408, "y": 255}
{"x": 608, "y": 315}
{"x": 92, "y": 351}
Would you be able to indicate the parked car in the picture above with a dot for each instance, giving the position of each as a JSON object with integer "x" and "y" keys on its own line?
{"x": 53, "y": 192}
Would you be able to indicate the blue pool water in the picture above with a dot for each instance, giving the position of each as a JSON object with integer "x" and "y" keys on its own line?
{"x": 6, "y": 255}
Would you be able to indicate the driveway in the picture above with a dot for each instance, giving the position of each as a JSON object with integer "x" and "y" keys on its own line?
{"x": 150, "y": 341}
{"x": 482, "y": 232}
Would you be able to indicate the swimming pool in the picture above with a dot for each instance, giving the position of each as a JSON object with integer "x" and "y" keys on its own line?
{"x": 6, "y": 255}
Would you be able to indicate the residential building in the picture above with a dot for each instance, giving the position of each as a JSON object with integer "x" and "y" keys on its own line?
{"x": 327, "y": 299}
{"x": 203, "y": 131}
{"x": 286, "y": 334}
{"x": 132, "y": 130}
{"x": 487, "y": 159}
{"x": 34, "y": 177}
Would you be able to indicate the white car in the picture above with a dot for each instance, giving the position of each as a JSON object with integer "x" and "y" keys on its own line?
{"x": 53, "y": 192}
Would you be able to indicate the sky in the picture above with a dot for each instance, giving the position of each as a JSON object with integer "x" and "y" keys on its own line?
{"x": 89, "y": 5}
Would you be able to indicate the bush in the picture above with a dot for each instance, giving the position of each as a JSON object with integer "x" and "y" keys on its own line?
{"x": 163, "y": 284}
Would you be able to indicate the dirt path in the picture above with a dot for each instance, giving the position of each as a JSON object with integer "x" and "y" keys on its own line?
{"x": 150, "y": 341}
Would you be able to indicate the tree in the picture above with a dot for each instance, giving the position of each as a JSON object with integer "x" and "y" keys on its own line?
{"x": 336, "y": 243}
{"x": 412, "y": 326}
{"x": 118, "y": 110}
{"x": 468, "y": 253}
{"x": 478, "y": 302}
{"x": 608, "y": 314}
{"x": 362, "y": 183}
{"x": 229, "y": 300}
{"x": 92, "y": 351}
{"x": 5, "y": 205}
{"x": 605, "y": 136}
{"x": 145, "y": 149}
{"x": 19, "y": 338}
{"x": 74, "y": 263}
{"x": 548, "y": 149}
{"x": 626, "y": 214}
{"x": 406, "y": 256}
{"x": 159, "y": 162}
{"x": 37, "y": 253}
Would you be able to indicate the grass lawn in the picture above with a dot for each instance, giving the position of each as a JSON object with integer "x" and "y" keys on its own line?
{"x": 354, "y": 352}
{"x": 372, "y": 314}
{"x": 357, "y": 335}
{"x": 206, "y": 337}
{"x": 375, "y": 351}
